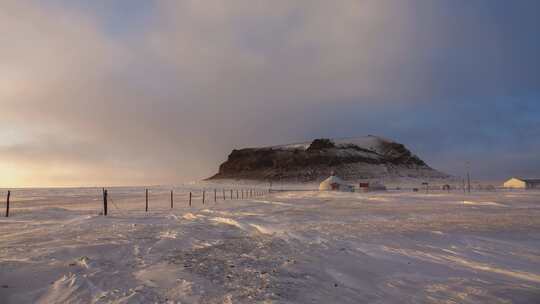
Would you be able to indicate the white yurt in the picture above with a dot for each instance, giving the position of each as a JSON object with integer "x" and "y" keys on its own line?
{"x": 334, "y": 183}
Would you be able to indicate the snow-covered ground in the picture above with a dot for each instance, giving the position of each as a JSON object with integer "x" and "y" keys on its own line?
{"x": 286, "y": 247}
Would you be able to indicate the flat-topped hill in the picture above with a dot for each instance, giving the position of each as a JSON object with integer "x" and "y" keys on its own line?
{"x": 351, "y": 158}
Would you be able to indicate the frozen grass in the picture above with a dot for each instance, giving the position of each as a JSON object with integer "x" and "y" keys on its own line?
{"x": 289, "y": 247}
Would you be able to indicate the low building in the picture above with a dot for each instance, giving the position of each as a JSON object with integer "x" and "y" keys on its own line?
{"x": 363, "y": 187}
{"x": 334, "y": 183}
{"x": 371, "y": 186}
{"x": 377, "y": 186}
{"x": 522, "y": 183}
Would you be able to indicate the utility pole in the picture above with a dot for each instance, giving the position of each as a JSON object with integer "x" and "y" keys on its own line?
{"x": 427, "y": 186}
{"x": 468, "y": 178}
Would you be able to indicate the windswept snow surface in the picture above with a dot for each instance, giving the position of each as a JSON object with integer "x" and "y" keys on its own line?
{"x": 287, "y": 247}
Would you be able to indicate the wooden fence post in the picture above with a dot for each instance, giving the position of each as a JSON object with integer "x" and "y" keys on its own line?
{"x": 146, "y": 200}
{"x": 231, "y": 194}
{"x": 237, "y": 194}
{"x": 190, "y": 199}
{"x": 203, "y": 196}
{"x": 215, "y": 196}
{"x": 104, "y": 202}
{"x": 223, "y": 194}
{"x": 172, "y": 199}
{"x": 7, "y": 203}
{"x": 242, "y": 193}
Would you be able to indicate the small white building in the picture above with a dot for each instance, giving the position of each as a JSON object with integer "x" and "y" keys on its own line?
{"x": 522, "y": 183}
{"x": 334, "y": 183}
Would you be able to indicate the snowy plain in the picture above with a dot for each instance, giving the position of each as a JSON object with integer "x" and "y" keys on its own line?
{"x": 283, "y": 247}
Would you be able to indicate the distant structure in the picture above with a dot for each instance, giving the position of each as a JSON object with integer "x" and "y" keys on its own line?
{"x": 522, "y": 183}
{"x": 334, "y": 183}
{"x": 373, "y": 186}
{"x": 364, "y": 187}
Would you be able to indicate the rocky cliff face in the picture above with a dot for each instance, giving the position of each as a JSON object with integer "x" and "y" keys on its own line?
{"x": 352, "y": 159}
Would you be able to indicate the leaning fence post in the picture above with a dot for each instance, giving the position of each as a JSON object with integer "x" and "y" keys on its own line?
{"x": 7, "y": 203}
{"x": 172, "y": 201}
{"x": 146, "y": 200}
{"x": 104, "y": 202}
{"x": 190, "y": 199}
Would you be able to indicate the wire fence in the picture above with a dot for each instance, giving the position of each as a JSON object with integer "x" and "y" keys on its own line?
{"x": 106, "y": 201}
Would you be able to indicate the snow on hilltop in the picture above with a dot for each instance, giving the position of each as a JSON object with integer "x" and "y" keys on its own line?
{"x": 352, "y": 158}
{"x": 369, "y": 142}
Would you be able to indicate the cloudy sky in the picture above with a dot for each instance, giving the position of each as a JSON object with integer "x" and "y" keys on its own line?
{"x": 158, "y": 92}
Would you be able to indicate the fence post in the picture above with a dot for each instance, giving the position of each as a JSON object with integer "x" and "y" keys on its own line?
{"x": 172, "y": 200}
{"x": 146, "y": 200}
{"x": 223, "y": 194}
{"x": 104, "y": 202}
{"x": 237, "y": 194}
{"x": 242, "y": 193}
{"x": 7, "y": 203}
{"x": 203, "y": 196}
{"x": 231, "y": 194}
{"x": 215, "y": 196}
{"x": 190, "y": 199}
